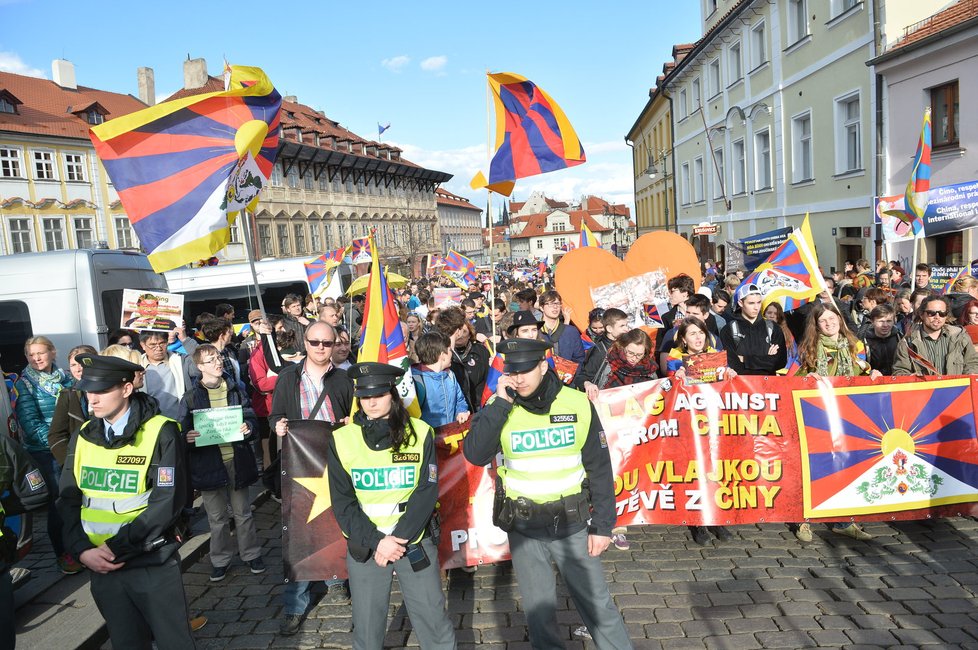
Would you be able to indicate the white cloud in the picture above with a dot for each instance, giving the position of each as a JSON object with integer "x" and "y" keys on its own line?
{"x": 11, "y": 62}
{"x": 396, "y": 63}
{"x": 434, "y": 63}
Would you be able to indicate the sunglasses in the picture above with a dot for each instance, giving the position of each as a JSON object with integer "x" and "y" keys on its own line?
{"x": 934, "y": 312}
{"x": 320, "y": 344}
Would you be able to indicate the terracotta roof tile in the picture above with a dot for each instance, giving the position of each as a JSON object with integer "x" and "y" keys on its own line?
{"x": 46, "y": 107}
{"x": 444, "y": 197}
{"x": 953, "y": 15}
{"x": 537, "y": 223}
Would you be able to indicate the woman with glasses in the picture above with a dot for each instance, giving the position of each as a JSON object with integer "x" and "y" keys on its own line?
{"x": 829, "y": 349}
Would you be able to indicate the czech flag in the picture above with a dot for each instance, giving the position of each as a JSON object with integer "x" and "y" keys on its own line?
{"x": 533, "y": 136}
{"x": 381, "y": 338}
{"x": 184, "y": 169}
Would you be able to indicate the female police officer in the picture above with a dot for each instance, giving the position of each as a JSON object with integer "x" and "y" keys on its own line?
{"x": 383, "y": 482}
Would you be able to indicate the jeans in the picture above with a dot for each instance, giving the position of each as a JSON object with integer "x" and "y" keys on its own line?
{"x": 216, "y": 506}
{"x": 295, "y": 598}
{"x": 51, "y": 472}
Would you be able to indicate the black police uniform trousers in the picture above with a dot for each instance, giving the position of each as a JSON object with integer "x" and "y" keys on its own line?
{"x": 144, "y": 604}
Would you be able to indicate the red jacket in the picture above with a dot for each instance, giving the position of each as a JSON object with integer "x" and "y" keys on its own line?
{"x": 263, "y": 381}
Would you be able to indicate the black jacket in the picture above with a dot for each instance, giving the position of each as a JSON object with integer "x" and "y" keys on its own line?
{"x": 882, "y": 351}
{"x": 285, "y": 399}
{"x": 207, "y": 471}
{"x": 593, "y": 360}
{"x": 471, "y": 368}
{"x": 24, "y": 489}
{"x": 741, "y": 338}
{"x": 163, "y": 510}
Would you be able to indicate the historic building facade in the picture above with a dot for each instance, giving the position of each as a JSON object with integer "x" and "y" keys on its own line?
{"x": 461, "y": 226}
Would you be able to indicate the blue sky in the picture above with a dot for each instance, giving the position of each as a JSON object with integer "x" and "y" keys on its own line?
{"x": 418, "y": 65}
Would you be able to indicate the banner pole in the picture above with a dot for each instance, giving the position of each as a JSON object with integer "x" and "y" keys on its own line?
{"x": 492, "y": 264}
{"x": 249, "y": 247}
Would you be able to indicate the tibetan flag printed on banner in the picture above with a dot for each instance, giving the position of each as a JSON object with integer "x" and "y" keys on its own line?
{"x": 876, "y": 449}
{"x": 381, "y": 338}
{"x": 359, "y": 251}
{"x": 459, "y": 269}
{"x": 587, "y": 237}
{"x": 790, "y": 276}
{"x": 533, "y": 135}
{"x": 184, "y": 169}
{"x": 319, "y": 272}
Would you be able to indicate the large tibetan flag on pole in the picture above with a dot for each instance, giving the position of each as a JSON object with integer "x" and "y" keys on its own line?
{"x": 587, "y": 237}
{"x": 917, "y": 194}
{"x": 459, "y": 269}
{"x": 319, "y": 272}
{"x": 185, "y": 168}
{"x": 790, "y": 276}
{"x": 381, "y": 338}
{"x": 533, "y": 135}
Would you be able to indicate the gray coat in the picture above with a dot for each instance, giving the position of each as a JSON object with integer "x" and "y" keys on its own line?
{"x": 961, "y": 356}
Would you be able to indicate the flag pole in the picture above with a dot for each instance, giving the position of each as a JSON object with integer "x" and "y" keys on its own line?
{"x": 249, "y": 247}
{"x": 492, "y": 264}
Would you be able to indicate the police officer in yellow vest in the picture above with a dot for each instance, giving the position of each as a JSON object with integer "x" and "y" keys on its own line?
{"x": 120, "y": 502}
{"x": 383, "y": 483}
{"x": 555, "y": 496}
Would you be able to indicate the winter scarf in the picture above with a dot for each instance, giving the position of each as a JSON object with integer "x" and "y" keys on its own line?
{"x": 834, "y": 357}
{"x": 49, "y": 383}
{"x": 624, "y": 373}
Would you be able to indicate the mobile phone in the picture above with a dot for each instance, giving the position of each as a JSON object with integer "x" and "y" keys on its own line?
{"x": 511, "y": 392}
{"x": 417, "y": 557}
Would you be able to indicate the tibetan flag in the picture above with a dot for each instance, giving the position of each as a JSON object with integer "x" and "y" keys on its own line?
{"x": 359, "y": 251}
{"x": 878, "y": 449}
{"x": 790, "y": 276}
{"x": 587, "y": 237}
{"x": 184, "y": 169}
{"x": 459, "y": 269}
{"x": 381, "y": 338}
{"x": 949, "y": 285}
{"x": 541, "y": 267}
{"x": 492, "y": 379}
{"x": 918, "y": 189}
{"x": 652, "y": 315}
{"x": 533, "y": 136}
{"x": 319, "y": 272}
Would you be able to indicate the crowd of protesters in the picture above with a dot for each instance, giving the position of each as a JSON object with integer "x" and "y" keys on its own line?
{"x": 868, "y": 322}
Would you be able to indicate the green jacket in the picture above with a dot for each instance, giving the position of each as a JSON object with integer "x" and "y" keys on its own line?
{"x": 961, "y": 356}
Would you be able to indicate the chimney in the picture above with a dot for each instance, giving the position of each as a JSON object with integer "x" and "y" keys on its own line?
{"x": 63, "y": 73}
{"x": 146, "y": 82}
{"x": 194, "y": 73}
{"x": 291, "y": 98}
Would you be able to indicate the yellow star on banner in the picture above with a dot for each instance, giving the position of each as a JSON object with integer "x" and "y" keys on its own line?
{"x": 319, "y": 486}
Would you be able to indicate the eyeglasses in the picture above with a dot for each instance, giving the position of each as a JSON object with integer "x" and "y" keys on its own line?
{"x": 155, "y": 344}
{"x": 633, "y": 355}
{"x": 204, "y": 362}
{"x": 257, "y": 320}
{"x": 934, "y": 312}
{"x": 320, "y": 344}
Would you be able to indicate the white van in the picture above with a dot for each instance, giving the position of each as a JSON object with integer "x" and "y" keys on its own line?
{"x": 206, "y": 287}
{"x": 72, "y": 297}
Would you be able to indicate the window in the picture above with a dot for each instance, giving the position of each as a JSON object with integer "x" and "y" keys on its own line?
{"x": 349, "y": 185}
{"x": 361, "y": 188}
{"x": 323, "y": 183}
{"x": 801, "y": 148}
{"x": 20, "y": 236}
{"x": 6, "y": 106}
{"x": 54, "y": 233}
{"x": 44, "y": 165}
{"x": 74, "y": 167}
{"x": 307, "y": 181}
{"x": 797, "y": 20}
{"x": 328, "y": 230}
{"x": 265, "y": 240}
{"x": 736, "y": 69}
{"x": 684, "y": 179}
{"x": 315, "y": 241}
{"x": 300, "y": 238}
{"x": 539, "y": 244}
{"x": 337, "y": 186}
{"x": 714, "y": 75}
{"x": 293, "y": 178}
{"x": 282, "y": 230}
{"x": 682, "y": 104}
{"x": 15, "y": 328}
{"x": 848, "y": 137}
{"x": 341, "y": 230}
{"x": 762, "y": 160}
{"x": 758, "y": 46}
{"x": 10, "y": 163}
{"x": 94, "y": 117}
{"x": 698, "y": 180}
{"x": 84, "y": 235}
{"x": 696, "y": 96}
{"x": 719, "y": 170}
{"x": 839, "y": 7}
{"x": 559, "y": 242}
{"x": 945, "y": 121}
{"x": 123, "y": 233}
{"x": 277, "y": 175}
{"x": 235, "y": 232}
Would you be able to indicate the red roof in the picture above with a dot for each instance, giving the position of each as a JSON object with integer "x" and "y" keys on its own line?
{"x": 307, "y": 120}
{"x": 498, "y": 234}
{"x": 48, "y": 109}
{"x": 516, "y": 206}
{"x": 537, "y": 223}
{"x": 444, "y": 197}
{"x": 597, "y": 205}
{"x": 953, "y": 15}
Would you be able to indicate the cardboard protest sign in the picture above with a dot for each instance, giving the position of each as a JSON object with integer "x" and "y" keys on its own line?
{"x": 151, "y": 310}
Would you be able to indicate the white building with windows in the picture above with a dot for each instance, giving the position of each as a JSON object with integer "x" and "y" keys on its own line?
{"x": 461, "y": 226}
{"x": 54, "y": 193}
{"x": 772, "y": 119}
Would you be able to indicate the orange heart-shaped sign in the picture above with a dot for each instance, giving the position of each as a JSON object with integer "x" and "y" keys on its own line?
{"x": 583, "y": 269}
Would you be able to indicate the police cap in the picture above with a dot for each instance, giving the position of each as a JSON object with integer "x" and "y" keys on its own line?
{"x": 101, "y": 373}
{"x": 520, "y": 355}
{"x": 372, "y": 378}
{"x": 522, "y": 318}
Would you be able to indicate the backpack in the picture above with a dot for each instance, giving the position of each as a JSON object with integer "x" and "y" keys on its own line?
{"x": 739, "y": 336}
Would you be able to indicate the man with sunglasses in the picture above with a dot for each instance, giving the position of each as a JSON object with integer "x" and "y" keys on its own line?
{"x": 933, "y": 347}
{"x": 314, "y": 389}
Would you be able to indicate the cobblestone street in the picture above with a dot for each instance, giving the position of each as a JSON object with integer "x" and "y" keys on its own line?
{"x": 914, "y": 585}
